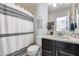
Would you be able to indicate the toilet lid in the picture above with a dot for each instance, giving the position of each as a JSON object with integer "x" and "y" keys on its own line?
{"x": 33, "y": 48}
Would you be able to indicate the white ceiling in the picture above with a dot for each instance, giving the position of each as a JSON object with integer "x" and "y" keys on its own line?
{"x": 59, "y": 8}
{"x": 31, "y": 7}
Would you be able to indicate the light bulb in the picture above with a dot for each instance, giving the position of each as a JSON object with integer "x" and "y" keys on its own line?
{"x": 54, "y": 4}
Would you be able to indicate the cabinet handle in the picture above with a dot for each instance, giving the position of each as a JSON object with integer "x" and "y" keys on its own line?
{"x": 48, "y": 51}
{"x": 66, "y": 53}
{"x": 56, "y": 52}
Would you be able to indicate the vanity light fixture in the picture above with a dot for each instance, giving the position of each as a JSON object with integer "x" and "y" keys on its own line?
{"x": 53, "y": 4}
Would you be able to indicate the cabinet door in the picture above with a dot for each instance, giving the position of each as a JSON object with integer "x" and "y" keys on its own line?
{"x": 48, "y": 42}
{"x": 48, "y": 47}
{"x": 71, "y": 48}
{"x": 68, "y": 46}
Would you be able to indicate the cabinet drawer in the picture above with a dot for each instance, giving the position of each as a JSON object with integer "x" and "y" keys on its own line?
{"x": 47, "y": 53}
{"x": 67, "y": 46}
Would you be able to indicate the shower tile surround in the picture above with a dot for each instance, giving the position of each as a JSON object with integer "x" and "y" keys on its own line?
{"x": 14, "y": 35}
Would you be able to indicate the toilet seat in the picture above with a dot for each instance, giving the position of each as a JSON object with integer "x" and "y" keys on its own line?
{"x": 32, "y": 50}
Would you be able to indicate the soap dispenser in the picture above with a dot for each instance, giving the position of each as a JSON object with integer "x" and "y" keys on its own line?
{"x": 72, "y": 27}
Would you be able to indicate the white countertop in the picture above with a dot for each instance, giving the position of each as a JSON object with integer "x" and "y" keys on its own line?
{"x": 62, "y": 38}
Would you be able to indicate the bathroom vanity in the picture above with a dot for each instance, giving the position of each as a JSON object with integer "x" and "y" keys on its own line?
{"x": 59, "y": 46}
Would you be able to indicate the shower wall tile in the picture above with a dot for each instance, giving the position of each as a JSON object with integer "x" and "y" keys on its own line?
{"x": 13, "y": 44}
{"x": 25, "y": 40}
{"x": 20, "y": 44}
{"x": 3, "y": 25}
{"x": 26, "y": 26}
{"x": 12, "y": 24}
{"x": 9, "y": 25}
{"x": 19, "y": 25}
{"x": 4, "y": 45}
{"x": 29, "y": 39}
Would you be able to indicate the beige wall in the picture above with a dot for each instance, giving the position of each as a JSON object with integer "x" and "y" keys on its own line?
{"x": 52, "y": 16}
{"x": 31, "y": 7}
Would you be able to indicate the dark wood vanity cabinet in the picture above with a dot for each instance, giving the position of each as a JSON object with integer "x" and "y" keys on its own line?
{"x": 48, "y": 48}
{"x": 57, "y": 48}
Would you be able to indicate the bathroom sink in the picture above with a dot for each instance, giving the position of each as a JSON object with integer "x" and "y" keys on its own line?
{"x": 64, "y": 38}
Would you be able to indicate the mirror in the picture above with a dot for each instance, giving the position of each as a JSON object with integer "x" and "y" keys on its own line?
{"x": 65, "y": 17}
{"x": 70, "y": 22}
{"x": 62, "y": 23}
{"x": 76, "y": 18}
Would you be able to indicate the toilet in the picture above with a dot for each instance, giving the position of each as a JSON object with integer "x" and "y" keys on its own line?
{"x": 33, "y": 50}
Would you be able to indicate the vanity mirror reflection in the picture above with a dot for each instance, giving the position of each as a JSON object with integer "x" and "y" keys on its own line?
{"x": 68, "y": 22}
{"x": 77, "y": 19}
{"x": 65, "y": 18}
